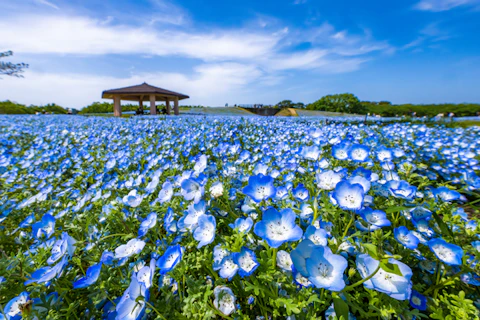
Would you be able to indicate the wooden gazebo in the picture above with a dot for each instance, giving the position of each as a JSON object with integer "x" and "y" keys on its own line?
{"x": 143, "y": 92}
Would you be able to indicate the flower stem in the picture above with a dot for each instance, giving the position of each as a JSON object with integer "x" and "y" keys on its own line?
{"x": 156, "y": 311}
{"x": 356, "y": 284}
{"x": 348, "y": 226}
{"x": 274, "y": 258}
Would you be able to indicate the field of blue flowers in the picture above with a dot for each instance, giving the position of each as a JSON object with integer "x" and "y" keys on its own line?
{"x": 237, "y": 218}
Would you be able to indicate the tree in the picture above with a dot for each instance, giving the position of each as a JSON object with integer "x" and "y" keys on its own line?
{"x": 9, "y": 68}
{"x": 285, "y": 104}
{"x": 299, "y": 105}
{"x": 290, "y": 104}
{"x": 345, "y": 102}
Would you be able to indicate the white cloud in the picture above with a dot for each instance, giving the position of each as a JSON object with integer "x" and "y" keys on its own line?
{"x": 81, "y": 35}
{"x": 230, "y": 62}
{"x": 442, "y": 5}
{"x": 209, "y": 84}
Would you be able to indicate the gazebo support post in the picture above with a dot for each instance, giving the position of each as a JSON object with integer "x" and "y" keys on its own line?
{"x": 167, "y": 105}
{"x": 117, "y": 108}
{"x": 175, "y": 107}
{"x": 153, "y": 107}
{"x": 140, "y": 104}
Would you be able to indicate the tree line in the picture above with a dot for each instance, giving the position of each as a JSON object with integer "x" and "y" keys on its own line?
{"x": 9, "y": 107}
{"x": 349, "y": 103}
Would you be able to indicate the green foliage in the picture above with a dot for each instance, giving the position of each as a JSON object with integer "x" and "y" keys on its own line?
{"x": 454, "y": 306}
{"x": 290, "y": 104}
{"x": 107, "y": 107}
{"x": 430, "y": 110}
{"x": 345, "y": 102}
{"x": 9, "y": 107}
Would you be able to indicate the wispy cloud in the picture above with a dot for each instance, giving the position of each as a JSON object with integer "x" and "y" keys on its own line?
{"x": 48, "y": 3}
{"x": 227, "y": 62}
{"x": 442, "y": 5}
{"x": 429, "y": 35}
{"x": 210, "y": 84}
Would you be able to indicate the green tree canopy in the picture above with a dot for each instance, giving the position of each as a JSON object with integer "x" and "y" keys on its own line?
{"x": 345, "y": 102}
{"x": 9, "y": 68}
{"x": 290, "y": 104}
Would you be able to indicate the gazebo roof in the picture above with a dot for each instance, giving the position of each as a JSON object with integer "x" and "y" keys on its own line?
{"x": 144, "y": 89}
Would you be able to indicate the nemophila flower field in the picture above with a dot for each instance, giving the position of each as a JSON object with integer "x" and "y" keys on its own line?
{"x": 237, "y": 218}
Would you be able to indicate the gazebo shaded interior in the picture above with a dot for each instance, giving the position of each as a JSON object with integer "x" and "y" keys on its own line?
{"x": 143, "y": 92}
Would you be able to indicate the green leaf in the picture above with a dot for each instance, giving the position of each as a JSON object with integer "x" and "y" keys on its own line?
{"x": 371, "y": 249}
{"x": 443, "y": 226}
{"x": 395, "y": 209}
{"x": 341, "y": 308}
{"x": 391, "y": 268}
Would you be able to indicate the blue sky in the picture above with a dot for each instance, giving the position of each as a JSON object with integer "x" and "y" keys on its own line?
{"x": 242, "y": 52}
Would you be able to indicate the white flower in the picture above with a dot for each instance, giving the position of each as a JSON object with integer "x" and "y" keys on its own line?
{"x": 133, "y": 246}
{"x": 216, "y": 190}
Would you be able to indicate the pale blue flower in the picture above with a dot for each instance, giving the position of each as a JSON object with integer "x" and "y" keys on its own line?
{"x": 278, "y": 227}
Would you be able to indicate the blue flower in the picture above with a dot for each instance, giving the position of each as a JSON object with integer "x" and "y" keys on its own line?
{"x": 190, "y": 220}
{"x": 169, "y": 222}
{"x": 448, "y": 253}
{"x": 358, "y": 152}
{"x": 224, "y": 300}
{"x": 348, "y": 196}
{"x": 260, "y": 187}
{"x": 46, "y": 274}
{"x": 418, "y": 301}
{"x": 13, "y": 309}
{"x": 300, "y": 193}
{"x": 192, "y": 190}
{"x": 325, "y": 269}
{"x": 227, "y": 268}
{"x": 218, "y": 254}
{"x": 149, "y": 222}
{"x": 134, "y": 246}
{"x": 44, "y": 227}
{"x": 406, "y": 237}
{"x": 145, "y": 274}
{"x": 246, "y": 261}
{"x": 278, "y": 227}
{"x": 169, "y": 260}
{"x": 375, "y": 218}
{"x": 130, "y": 307}
{"x": 310, "y": 152}
{"x": 340, "y": 151}
{"x": 166, "y": 193}
{"x": 401, "y": 189}
{"x": 395, "y": 286}
{"x": 447, "y": 195}
{"x": 92, "y": 274}
{"x": 205, "y": 231}
{"x": 242, "y": 224}
{"x": 284, "y": 261}
{"x": 65, "y": 245}
{"x": 383, "y": 153}
{"x": 27, "y": 221}
{"x": 327, "y": 180}
{"x": 364, "y": 182}
{"x": 317, "y": 235}
{"x": 107, "y": 258}
{"x": 132, "y": 199}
